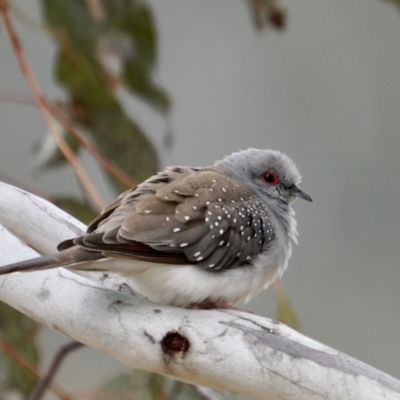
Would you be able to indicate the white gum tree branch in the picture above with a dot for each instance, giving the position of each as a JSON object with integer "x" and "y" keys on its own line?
{"x": 229, "y": 350}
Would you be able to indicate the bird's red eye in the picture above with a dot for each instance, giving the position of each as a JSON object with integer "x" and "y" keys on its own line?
{"x": 270, "y": 177}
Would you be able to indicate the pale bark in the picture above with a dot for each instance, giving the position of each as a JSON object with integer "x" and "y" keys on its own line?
{"x": 230, "y": 350}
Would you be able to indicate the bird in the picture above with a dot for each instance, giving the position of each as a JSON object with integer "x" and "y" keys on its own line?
{"x": 194, "y": 237}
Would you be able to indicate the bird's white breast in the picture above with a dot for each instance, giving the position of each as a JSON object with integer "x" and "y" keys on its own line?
{"x": 181, "y": 285}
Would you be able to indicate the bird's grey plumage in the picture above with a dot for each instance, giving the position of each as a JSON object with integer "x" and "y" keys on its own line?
{"x": 224, "y": 220}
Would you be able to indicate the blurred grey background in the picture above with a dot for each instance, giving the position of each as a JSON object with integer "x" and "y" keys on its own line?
{"x": 326, "y": 91}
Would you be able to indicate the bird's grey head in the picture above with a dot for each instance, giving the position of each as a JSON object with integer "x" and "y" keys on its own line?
{"x": 270, "y": 173}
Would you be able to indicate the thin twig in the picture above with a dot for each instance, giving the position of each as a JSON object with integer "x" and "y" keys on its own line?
{"x": 8, "y": 348}
{"x": 91, "y": 148}
{"x": 26, "y": 99}
{"x": 43, "y": 107}
{"x": 47, "y": 378}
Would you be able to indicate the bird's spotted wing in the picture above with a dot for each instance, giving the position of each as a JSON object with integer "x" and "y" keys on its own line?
{"x": 183, "y": 216}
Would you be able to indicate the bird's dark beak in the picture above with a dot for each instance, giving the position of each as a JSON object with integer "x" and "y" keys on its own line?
{"x": 300, "y": 193}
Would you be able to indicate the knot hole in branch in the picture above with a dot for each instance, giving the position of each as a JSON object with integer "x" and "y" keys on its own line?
{"x": 174, "y": 342}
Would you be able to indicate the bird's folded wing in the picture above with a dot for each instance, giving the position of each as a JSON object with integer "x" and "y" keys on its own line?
{"x": 200, "y": 218}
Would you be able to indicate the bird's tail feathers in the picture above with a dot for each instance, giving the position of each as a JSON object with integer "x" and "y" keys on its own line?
{"x": 64, "y": 258}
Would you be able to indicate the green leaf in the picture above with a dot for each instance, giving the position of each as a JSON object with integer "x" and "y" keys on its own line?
{"x": 72, "y": 24}
{"x": 286, "y": 312}
{"x": 21, "y": 332}
{"x": 124, "y": 143}
{"x": 394, "y": 2}
{"x": 139, "y": 25}
{"x": 81, "y": 36}
{"x": 145, "y": 386}
{"x": 85, "y": 81}
{"x": 268, "y": 13}
{"x": 119, "y": 387}
{"x": 77, "y": 208}
{"x": 142, "y": 85}
{"x": 135, "y": 19}
{"x": 91, "y": 87}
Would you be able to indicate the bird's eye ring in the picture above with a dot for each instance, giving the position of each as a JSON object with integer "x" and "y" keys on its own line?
{"x": 270, "y": 177}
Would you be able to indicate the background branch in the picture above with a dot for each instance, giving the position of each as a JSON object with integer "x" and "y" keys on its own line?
{"x": 9, "y": 349}
{"x": 43, "y": 106}
{"x": 48, "y": 377}
{"x": 91, "y": 148}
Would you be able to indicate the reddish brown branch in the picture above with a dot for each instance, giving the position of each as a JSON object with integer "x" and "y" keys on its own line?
{"x": 43, "y": 106}
{"x": 46, "y": 380}
{"x": 24, "y": 98}
{"x": 91, "y": 148}
{"x": 8, "y": 348}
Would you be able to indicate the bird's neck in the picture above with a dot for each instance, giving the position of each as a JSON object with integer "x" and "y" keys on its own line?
{"x": 284, "y": 215}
